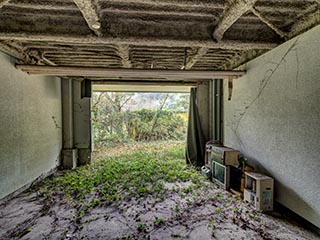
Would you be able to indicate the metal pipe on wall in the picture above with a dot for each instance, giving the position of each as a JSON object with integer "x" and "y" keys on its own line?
{"x": 217, "y": 104}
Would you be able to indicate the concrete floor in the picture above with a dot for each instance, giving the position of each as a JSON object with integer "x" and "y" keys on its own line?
{"x": 206, "y": 213}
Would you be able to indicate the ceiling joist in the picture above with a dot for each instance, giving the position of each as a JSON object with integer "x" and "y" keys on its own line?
{"x": 231, "y": 14}
{"x": 137, "y": 41}
{"x": 3, "y": 2}
{"x": 173, "y": 3}
{"x": 90, "y": 14}
{"x": 127, "y": 73}
{"x": 193, "y": 59}
{"x": 150, "y": 34}
{"x": 307, "y": 22}
{"x": 278, "y": 31}
{"x": 7, "y": 48}
{"x": 124, "y": 53}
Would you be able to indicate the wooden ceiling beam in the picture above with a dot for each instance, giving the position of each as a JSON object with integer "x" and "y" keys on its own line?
{"x": 90, "y": 14}
{"x": 230, "y": 15}
{"x": 136, "y": 41}
{"x": 126, "y": 73}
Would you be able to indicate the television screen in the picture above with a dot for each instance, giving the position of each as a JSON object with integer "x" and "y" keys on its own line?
{"x": 219, "y": 172}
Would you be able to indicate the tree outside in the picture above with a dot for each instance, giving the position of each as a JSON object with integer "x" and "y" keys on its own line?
{"x": 126, "y": 117}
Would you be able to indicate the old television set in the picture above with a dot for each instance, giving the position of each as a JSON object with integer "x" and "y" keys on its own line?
{"x": 221, "y": 174}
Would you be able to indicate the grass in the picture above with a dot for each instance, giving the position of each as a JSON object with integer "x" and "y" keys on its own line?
{"x": 135, "y": 170}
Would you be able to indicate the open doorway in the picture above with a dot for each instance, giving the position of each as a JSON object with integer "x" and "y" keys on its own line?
{"x": 131, "y": 118}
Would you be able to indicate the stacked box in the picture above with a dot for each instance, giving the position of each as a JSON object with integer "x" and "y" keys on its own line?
{"x": 222, "y": 158}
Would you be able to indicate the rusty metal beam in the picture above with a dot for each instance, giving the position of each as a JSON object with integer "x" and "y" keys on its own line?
{"x": 231, "y": 14}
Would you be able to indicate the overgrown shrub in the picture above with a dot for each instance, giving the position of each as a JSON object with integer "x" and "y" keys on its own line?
{"x": 115, "y": 122}
{"x": 152, "y": 125}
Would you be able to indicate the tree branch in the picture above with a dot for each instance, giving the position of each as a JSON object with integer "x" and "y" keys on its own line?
{"x": 156, "y": 116}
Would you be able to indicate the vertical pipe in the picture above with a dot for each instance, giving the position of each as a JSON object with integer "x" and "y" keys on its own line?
{"x": 217, "y": 121}
{"x": 221, "y": 110}
{"x": 67, "y": 112}
{"x": 211, "y": 109}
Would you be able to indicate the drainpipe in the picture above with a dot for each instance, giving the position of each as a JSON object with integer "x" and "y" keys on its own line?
{"x": 217, "y": 104}
{"x": 69, "y": 153}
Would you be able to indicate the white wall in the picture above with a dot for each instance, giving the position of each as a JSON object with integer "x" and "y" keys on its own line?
{"x": 274, "y": 119}
{"x": 30, "y": 126}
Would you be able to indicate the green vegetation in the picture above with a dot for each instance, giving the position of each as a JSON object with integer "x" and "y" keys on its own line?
{"x": 155, "y": 125}
{"x": 134, "y": 170}
{"x": 159, "y": 221}
{"x": 126, "y": 117}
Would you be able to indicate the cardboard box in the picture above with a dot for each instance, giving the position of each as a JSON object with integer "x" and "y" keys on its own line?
{"x": 225, "y": 155}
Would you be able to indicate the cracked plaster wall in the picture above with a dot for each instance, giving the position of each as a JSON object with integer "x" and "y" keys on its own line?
{"x": 274, "y": 119}
{"x": 30, "y": 126}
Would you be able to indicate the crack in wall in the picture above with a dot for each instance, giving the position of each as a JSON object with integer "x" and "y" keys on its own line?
{"x": 264, "y": 82}
{"x": 55, "y": 122}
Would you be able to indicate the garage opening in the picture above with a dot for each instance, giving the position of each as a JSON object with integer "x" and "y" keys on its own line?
{"x": 120, "y": 118}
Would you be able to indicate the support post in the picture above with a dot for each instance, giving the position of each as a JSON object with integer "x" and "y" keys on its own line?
{"x": 69, "y": 153}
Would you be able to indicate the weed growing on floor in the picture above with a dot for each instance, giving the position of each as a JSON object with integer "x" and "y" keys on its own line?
{"x": 134, "y": 171}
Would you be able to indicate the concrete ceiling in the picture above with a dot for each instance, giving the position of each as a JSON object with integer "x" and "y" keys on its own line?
{"x": 150, "y": 34}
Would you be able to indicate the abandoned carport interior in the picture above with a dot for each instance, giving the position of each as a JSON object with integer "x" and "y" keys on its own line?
{"x": 256, "y": 61}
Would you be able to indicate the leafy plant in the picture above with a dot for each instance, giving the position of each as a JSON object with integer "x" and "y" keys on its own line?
{"x": 142, "y": 227}
{"x": 217, "y": 210}
{"x": 158, "y": 221}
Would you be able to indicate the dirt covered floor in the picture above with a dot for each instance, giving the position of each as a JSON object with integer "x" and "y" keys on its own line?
{"x": 140, "y": 191}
